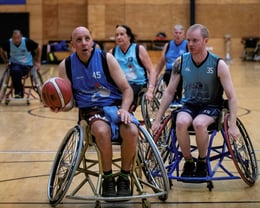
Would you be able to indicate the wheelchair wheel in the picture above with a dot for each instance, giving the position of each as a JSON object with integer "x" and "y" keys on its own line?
{"x": 65, "y": 165}
{"x": 149, "y": 111}
{"x": 4, "y": 83}
{"x": 162, "y": 138}
{"x": 152, "y": 164}
{"x": 37, "y": 82}
{"x": 242, "y": 153}
{"x": 159, "y": 88}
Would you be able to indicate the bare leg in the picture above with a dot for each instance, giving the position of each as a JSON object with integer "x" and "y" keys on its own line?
{"x": 102, "y": 132}
{"x": 129, "y": 134}
{"x": 200, "y": 125}
{"x": 183, "y": 122}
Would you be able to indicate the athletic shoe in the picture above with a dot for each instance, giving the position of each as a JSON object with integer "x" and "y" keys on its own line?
{"x": 188, "y": 169}
{"x": 201, "y": 169}
{"x": 108, "y": 187}
{"x": 123, "y": 186}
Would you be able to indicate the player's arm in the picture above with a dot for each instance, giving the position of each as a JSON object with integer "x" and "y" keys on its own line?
{"x": 226, "y": 81}
{"x": 146, "y": 61}
{"x": 161, "y": 62}
{"x": 38, "y": 55}
{"x": 168, "y": 94}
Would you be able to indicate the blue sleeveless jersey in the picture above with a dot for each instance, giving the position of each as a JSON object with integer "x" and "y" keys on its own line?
{"x": 89, "y": 83}
{"x": 20, "y": 54}
{"x": 135, "y": 74}
{"x": 173, "y": 52}
{"x": 201, "y": 84}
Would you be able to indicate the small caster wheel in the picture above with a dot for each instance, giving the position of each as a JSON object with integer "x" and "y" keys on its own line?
{"x": 146, "y": 203}
{"x": 210, "y": 185}
{"x": 98, "y": 204}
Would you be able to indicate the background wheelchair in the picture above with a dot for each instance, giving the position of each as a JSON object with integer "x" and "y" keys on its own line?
{"x": 31, "y": 82}
{"x": 220, "y": 156}
{"x": 250, "y": 51}
{"x": 77, "y": 169}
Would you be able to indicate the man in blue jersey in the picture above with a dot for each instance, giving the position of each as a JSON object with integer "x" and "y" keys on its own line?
{"x": 98, "y": 82}
{"x": 171, "y": 51}
{"x": 204, "y": 76}
{"x": 22, "y": 54}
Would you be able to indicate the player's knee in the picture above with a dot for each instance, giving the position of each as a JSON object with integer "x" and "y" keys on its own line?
{"x": 129, "y": 132}
{"x": 199, "y": 125}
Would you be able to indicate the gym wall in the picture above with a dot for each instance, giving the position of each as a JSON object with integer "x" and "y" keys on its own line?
{"x": 55, "y": 19}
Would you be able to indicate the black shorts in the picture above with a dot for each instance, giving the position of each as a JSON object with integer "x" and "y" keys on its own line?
{"x": 92, "y": 114}
{"x": 193, "y": 111}
{"x": 136, "y": 90}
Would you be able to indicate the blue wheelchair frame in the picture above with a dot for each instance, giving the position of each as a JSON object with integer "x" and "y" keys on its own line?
{"x": 243, "y": 157}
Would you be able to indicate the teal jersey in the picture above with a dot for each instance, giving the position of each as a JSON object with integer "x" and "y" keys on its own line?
{"x": 20, "y": 54}
{"x": 201, "y": 85}
{"x": 134, "y": 72}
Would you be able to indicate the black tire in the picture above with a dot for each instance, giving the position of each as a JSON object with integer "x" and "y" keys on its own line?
{"x": 65, "y": 165}
{"x": 37, "y": 82}
{"x": 242, "y": 152}
{"x": 159, "y": 88}
{"x": 152, "y": 164}
{"x": 162, "y": 138}
{"x": 4, "y": 83}
{"x": 149, "y": 111}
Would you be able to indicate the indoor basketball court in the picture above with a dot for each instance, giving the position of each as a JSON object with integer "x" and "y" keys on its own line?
{"x": 31, "y": 135}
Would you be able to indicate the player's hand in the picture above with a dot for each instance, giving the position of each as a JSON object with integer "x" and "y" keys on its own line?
{"x": 149, "y": 95}
{"x": 125, "y": 116}
{"x": 155, "y": 126}
{"x": 233, "y": 132}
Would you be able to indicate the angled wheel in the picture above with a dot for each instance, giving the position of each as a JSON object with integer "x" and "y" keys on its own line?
{"x": 159, "y": 88}
{"x": 149, "y": 111}
{"x": 65, "y": 165}
{"x": 37, "y": 82}
{"x": 152, "y": 164}
{"x": 242, "y": 152}
{"x": 4, "y": 83}
{"x": 162, "y": 138}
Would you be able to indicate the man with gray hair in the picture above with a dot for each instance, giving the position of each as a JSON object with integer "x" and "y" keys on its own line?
{"x": 171, "y": 51}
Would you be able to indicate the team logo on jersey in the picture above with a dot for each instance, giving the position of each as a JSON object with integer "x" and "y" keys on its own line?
{"x": 187, "y": 69}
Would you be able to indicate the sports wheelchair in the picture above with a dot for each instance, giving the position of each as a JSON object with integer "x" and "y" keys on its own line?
{"x": 250, "y": 51}
{"x": 77, "y": 168}
{"x": 220, "y": 153}
{"x": 150, "y": 108}
{"x": 34, "y": 84}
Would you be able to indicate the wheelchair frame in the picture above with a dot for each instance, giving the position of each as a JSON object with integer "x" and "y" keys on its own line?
{"x": 240, "y": 151}
{"x": 6, "y": 87}
{"x": 72, "y": 164}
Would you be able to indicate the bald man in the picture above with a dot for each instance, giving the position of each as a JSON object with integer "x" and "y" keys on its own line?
{"x": 96, "y": 85}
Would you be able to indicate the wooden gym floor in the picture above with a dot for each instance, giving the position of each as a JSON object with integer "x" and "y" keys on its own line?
{"x": 30, "y": 136}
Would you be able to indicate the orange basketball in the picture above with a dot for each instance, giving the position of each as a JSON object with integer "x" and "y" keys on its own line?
{"x": 56, "y": 92}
